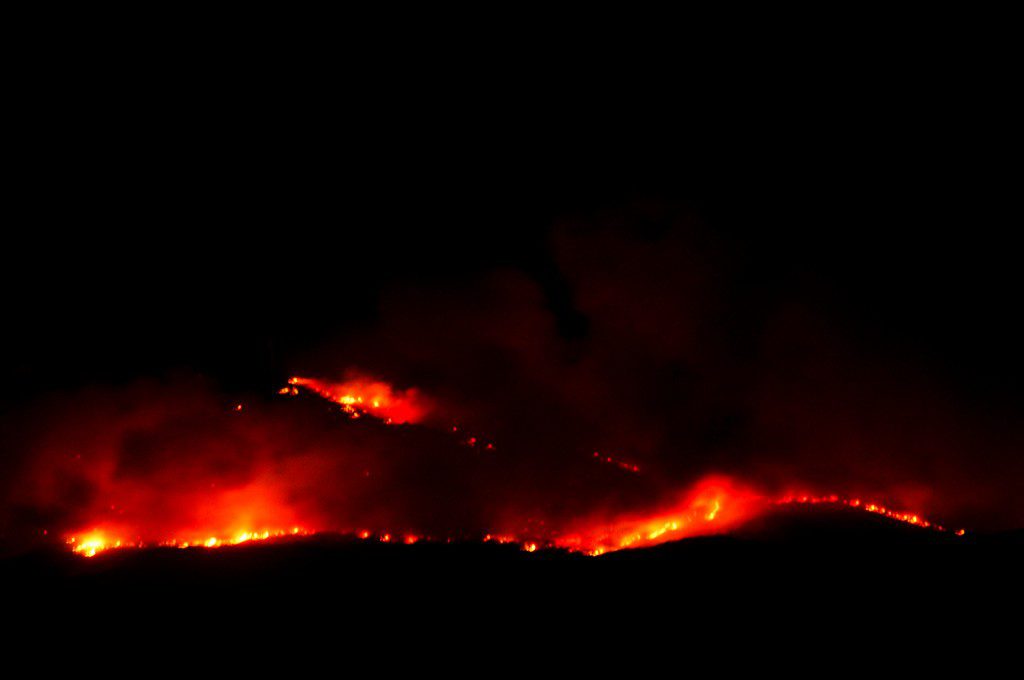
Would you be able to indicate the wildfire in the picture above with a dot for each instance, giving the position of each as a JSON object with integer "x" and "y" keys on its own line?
{"x": 715, "y": 505}
{"x": 98, "y": 540}
{"x": 367, "y": 396}
{"x": 876, "y": 508}
{"x": 95, "y": 542}
{"x": 219, "y": 518}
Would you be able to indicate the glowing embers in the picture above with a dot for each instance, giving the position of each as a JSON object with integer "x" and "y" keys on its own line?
{"x": 100, "y": 540}
{"x": 367, "y": 396}
{"x": 619, "y": 463}
{"x": 875, "y": 508}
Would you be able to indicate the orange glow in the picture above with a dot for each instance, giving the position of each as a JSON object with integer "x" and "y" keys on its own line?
{"x": 367, "y": 396}
{"x": 94, "y": 542}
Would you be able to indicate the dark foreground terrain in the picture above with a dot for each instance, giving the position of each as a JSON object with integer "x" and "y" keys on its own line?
{"x": 801, "y": 575}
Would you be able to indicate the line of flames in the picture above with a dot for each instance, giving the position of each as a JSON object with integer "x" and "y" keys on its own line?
{"x": 699, "y": 520}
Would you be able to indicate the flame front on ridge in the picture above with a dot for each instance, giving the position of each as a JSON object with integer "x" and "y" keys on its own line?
{"x": 261, "y": 511}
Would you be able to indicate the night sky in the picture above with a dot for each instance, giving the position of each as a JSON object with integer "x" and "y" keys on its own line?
{"x": 765, "y": 258}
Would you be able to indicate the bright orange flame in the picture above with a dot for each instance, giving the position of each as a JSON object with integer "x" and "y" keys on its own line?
{"x": 367, "y": 396}
{"x": 94, "y": 542}
{"x": 97, "y": 541}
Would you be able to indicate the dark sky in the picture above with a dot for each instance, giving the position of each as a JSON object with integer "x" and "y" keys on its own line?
{"x": 169, "y": 215}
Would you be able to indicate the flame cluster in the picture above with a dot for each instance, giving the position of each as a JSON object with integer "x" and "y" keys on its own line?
{"x": 100, "y": 540}
{"x": 363, "y": 396}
